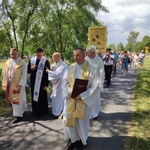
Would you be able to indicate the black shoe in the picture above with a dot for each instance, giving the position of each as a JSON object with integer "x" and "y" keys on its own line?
{"x": 80, "y": 145}
{"x": 95, "y": 117}
{"x": 55, "y": 117}
{"x": 18, "y": 119}
{"x": 72, "y": 146}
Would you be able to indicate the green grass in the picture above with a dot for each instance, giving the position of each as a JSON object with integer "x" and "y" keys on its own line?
{"x": 1, "y": 64}
{"x": 139, "y": 131}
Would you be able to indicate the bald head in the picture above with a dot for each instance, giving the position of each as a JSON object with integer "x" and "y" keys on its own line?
{"x": 56, "y": 57}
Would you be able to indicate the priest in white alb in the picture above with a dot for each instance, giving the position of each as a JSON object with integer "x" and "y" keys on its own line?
{"x": 14, "y": 82}
{"x": 55, "y": 76}
{"x": 77, "y": 111}
{"x": 92, "y": 58}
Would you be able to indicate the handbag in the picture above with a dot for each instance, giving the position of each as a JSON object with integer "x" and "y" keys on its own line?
{"x": 129, "y": 61}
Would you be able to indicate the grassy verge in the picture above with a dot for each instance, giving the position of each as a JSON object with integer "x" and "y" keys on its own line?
{"x": 139, "y": 133}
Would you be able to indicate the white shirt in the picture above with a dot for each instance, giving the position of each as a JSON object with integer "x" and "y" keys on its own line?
{"x": 110, "y": 61}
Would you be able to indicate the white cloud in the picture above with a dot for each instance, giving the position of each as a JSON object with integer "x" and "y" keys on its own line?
{"x": 126, "y": 16}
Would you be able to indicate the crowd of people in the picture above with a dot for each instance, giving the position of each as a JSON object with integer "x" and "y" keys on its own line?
{"x": 123, "y": 60}
{"x": 76, "y": 88}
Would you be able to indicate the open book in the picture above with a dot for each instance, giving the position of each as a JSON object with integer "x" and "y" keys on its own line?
{"x": 80, "y": 86}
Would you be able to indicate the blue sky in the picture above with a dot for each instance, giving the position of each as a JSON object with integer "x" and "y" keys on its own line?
{"x": 126, "y": 16}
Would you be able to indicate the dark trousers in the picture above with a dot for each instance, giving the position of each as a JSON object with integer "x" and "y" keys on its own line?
{"x": 114, "y": 67}
{"x": 108, "y": 71}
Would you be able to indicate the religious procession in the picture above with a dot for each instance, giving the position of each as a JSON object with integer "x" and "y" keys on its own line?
{"x": 76, "y": 88}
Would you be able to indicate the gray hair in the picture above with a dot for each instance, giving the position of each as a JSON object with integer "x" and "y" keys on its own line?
{"x": 91, "y": 48}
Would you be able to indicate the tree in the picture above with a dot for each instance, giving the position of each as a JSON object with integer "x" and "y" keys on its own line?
{"x": 146, "y": 41}
{"x": 132, "y": 38}
{"x": 4, "y": 44}
{"x": 128, "y": 47}
{"x": 120, "y": 47}
{"x": 112, "y": 46}
{"x": 53, "y": 25}
{"x": 15, "y": 18}
{"x": 68, "y": 23}
{"x": 138, "y": 46}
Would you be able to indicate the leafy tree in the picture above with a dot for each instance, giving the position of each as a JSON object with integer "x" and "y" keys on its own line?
{"x": 4, "y": 44}
{"x": 128, "y": 47}
{"x": 16, "y": 17}
{"x": 146, "y": 41}
{"x": 138, "y": 46}
{"x": 55, "y": 25}
{"x": 112, "y": 46}
{"x": 132, "y": 38}
{"x": 67, "y": 26}
{"x": 120, "y": 47}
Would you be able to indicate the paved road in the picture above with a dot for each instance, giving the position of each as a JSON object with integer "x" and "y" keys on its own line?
{"x": 106, "y": 133}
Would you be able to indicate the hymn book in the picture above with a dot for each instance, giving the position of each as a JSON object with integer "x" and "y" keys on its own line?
{"x": 80, "y": 86}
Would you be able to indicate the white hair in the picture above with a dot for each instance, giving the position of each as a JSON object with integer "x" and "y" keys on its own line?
{"x": 91, "y": 48}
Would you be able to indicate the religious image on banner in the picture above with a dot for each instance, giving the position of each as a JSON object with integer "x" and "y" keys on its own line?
{"x": 98, "y": 36}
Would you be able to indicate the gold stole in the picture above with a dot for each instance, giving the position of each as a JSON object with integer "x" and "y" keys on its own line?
{"x": 76, "y": 108}
{"x": 17, "y": 73}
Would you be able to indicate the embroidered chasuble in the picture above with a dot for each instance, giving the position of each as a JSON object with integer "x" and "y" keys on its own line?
{"x": 12, "y": 74}
{"x": 76, "y": 108}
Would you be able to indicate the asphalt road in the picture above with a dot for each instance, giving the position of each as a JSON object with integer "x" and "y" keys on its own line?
{"x": 106, "y": 133}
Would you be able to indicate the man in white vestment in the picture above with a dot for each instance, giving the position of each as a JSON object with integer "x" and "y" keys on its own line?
{"x": 92, "y": 58}
{"x": 76, "y": 118}
{"x": 14, "y": 82}
{"x": 55, "y": 76}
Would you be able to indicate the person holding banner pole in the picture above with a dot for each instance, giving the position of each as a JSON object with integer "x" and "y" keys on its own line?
{"x": 39, "y": 82}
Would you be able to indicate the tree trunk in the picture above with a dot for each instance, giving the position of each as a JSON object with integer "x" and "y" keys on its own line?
{"x": 13, "y": 25}
{"x": 26, "y": 31}
{"x": 9, "y": 36}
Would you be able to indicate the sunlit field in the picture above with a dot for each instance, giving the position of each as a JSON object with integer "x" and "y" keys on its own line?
{"x": 139, "y": 132}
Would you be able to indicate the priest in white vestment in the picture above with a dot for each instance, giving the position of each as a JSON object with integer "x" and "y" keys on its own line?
{"x": 14, "y": 82}
{"x": 55, "y": 76}
{"x": 95, "y": 60}
{"x": 78, "y": 133}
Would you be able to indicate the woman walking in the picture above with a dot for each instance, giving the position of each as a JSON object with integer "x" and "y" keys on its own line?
{"x": 125, "y": 62}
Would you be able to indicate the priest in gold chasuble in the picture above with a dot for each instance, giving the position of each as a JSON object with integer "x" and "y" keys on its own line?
{"x": 77, "y": 110}
{"x": 14, "y": 82}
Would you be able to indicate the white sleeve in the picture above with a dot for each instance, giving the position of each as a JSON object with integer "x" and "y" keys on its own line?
{"x": 56, "y": 74}
{"x": 66, "y": 90}
{"x": 23, "y": 79}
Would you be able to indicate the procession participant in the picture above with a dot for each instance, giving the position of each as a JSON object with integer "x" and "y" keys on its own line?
{"x": 39, "y": 82}
{"x": 141, "y": 58}
{"x": 92, "y": 58}
{"x": 125, "y": 62}
{"x": 14, "y": 81}
{"x": 77, "y": 110}
{"x": 135, "y": 59}
{"x": 115, "y": 61}
{"x": 108, "y": 65}
{"x": 55, "y": 76}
